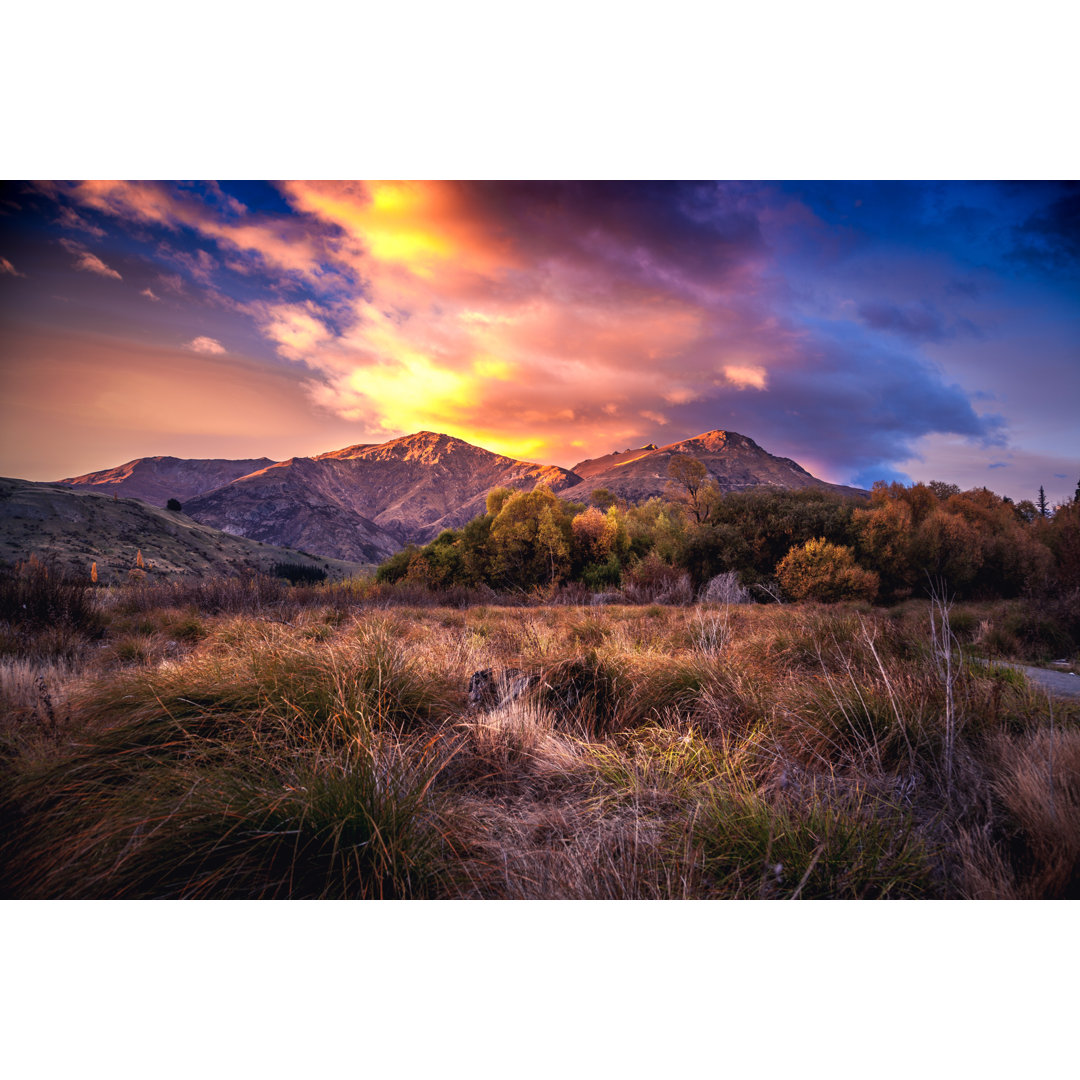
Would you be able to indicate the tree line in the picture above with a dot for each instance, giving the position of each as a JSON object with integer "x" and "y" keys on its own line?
{"x": 810, "y": 544}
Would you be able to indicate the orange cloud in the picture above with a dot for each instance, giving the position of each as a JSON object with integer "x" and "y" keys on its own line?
{"x": 420, "y": 229}
{"x": 481, "y": 311}
{"x": 87, "y": 260}
{"x": 282, "y": 243}
{"x": 206, "y": 345}
{"x": 746, "y": 375}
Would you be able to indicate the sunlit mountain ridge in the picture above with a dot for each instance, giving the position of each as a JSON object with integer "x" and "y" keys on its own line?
{"x": 366, "y": 501}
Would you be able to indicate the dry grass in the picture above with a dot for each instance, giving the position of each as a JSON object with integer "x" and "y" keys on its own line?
{"x": 655, "y": 752}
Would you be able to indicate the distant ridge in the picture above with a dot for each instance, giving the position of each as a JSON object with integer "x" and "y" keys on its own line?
{"x": 734, "y": 461}
{"x": 364, "y": 502}
{"x": 159, "y": 479}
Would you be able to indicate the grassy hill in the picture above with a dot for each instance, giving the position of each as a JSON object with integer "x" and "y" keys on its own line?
{"x": 83, "y": 527}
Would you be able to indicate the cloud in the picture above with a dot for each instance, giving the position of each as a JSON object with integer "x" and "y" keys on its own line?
{"x": 1049, "y": 239}
{"x": 745, "y": 375}
{"x": 172, "y": 282}
{"x": 69, "y": 219}
{"x": 206, "y": 345}
{"x": 526, "y": 315}
{"x": 87, "y": 260}
{"x": 917, "y": 322}
{"x": 998, "y": 465}
{"x": 199, "y": 264}
{"x": 296, "y": 329}
{"x": 149, "y": 293}
{"x": 284, "y": 244}
{"x": 7, "y": 268}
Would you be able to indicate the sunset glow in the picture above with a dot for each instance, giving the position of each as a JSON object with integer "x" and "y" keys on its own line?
{"x": 866, "y": 330}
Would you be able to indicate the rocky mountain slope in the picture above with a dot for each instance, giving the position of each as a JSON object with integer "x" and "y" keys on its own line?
{"x": 81, "y": 527}
{"x": 366, "y": 502}
{"x": 734, "y": 461}
{"x": 156, "y": 480}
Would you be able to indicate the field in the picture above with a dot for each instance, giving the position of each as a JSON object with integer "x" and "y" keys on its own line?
{"x": 322, "y": 742}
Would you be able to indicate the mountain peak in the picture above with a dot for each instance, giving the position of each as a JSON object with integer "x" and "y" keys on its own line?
{"x": 712, "y": 442}
{"x": 429, "y": 447}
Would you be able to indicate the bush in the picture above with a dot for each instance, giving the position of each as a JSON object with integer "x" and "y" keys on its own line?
{"x": 725, "y": 589}
{"x": 38, "y": 594}
{"x": 298, "y": 573}
{"x": 652, "y": 581}
{"x": 174, "y": 504}
{"x": 822, "y": 571}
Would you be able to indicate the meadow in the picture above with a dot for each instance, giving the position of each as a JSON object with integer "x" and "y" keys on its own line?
{"x": 247, "y": 739}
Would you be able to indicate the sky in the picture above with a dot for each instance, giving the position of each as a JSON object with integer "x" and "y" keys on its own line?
{"x": 869, "y": 330}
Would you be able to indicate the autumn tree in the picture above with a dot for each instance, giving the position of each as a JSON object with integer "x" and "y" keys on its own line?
{"x": 594, "y": 535}
{"x": 530, "y": 539}
{"x": 693, "y": 485}
{"x": 822, "y": 571}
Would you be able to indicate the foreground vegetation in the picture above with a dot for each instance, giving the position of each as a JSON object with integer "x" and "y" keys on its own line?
{"x": 804, "y": 545}
{"x": 251, "y": 739}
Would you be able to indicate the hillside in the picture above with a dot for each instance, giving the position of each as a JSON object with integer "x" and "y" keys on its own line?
{"x": 734, "y": 461}
{"x": 366, "y": 502}
{"x": 82, "y": 527}
{"x": 156, "y": 480}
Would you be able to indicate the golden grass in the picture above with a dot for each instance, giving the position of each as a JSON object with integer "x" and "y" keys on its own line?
{"x": 658, "y": 752}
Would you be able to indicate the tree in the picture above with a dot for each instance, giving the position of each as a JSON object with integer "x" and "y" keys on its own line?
{"x": 943, "y": 490}
{"x": 1026, "y": 511}
{"x": 173, "y": 504}
{"x": 496, "y": 497}
{"x": 819, "y": 570}
{"x": 530, "y": 539}
{"x": 696, "y": 488}
{"x": 1044, "y": 510}
{"x": 594, "y": 535}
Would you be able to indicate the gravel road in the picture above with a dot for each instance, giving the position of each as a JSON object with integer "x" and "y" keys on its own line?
{"x": 1059, "y": 683}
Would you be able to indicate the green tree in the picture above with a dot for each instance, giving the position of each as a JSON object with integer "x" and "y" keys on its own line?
{"x": 530, "y": 539}
{"x": 1044, "y": 510}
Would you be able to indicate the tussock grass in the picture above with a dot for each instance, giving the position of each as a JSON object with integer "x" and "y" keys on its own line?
{"x": 328, "y": 749}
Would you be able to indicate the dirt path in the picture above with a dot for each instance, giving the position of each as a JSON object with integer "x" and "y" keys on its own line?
{"x": 1058, "y": 683}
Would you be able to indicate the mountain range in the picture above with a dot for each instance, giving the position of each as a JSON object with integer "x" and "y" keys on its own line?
{"x": 365, "y": 502}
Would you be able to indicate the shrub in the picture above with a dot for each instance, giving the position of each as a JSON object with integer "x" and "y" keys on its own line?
{"x": 822, "y": 571}
{"x": 37, "y": 594}
{"x": 298, "y": 573}
{"x": 725, "y": 589}
{"x": 653, "y": 581}
{"x": 173, "y": 504}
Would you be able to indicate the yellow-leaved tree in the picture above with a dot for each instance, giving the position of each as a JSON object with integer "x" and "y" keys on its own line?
{"x": 818, "y": 570}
